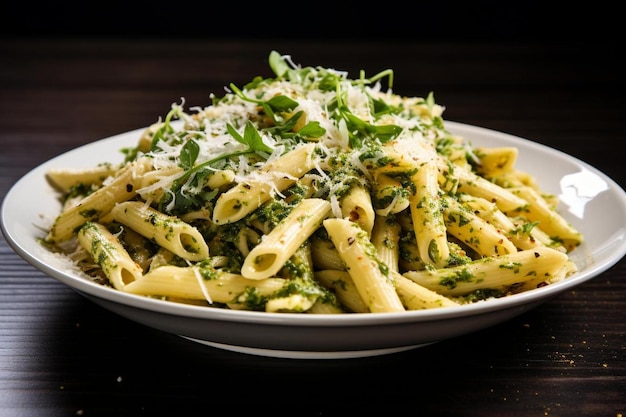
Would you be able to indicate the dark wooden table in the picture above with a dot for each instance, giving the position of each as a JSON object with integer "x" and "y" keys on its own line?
{"x": 61, "y": 355}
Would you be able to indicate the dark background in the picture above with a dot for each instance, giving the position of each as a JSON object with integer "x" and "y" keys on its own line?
{"x": 480, "y": 20}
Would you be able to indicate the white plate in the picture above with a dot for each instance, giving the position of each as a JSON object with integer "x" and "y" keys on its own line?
{"x": 591, "y": 201}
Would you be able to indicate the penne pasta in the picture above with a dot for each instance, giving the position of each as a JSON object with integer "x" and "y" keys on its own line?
{"x": 385, "y": 238}
{"x": 473, "y": 184}
{"x": 275, "y": 176}
{"x": 513, "y": 272}
{"x": 168, "y": 231}
{"x": 99, "y": 203}
{"x": 357, "y": 206}
{"x": 110, "y": 255}
{"x": 324, "y": 254}
{"x": 312, "y": 193}
{"x": 275, "y": 248}
{"x": 521, "y": 234}
{"x": 65, "y": 178}
{"x": 370, "y": 275}
{"x": 194, "y": 283}
{"x": 389, "y": 196}
{"x": 427, "y": 216}
{"x": 478, "y": 234}
{"x": 550, "y": 221}
{"x": 417, "y": 297}
{"x": 495, "y": 162}
{"x": 343, "y": 286}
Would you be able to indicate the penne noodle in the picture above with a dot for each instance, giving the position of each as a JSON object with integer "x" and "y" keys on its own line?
{"x": 496, "y": 161}
{"x": 389, "y": 196}
{"x": 343, "y": 286}
{"x": 521, "y": 236}
{"x": 550, "y": 221}
{"x": 324, "y": 254}
{"x": 472, "y": 184}
{"x": 188, "y": 283}
{"x": 478, "y": 234}
{"x": 320, "y": 307}
{"x": 385, "y": 238}
{"x": 96, "y": 205}
{"x": 297, "y": 303}
{"x": 520, "y": 270}
{"x": 168, "y": 231}
{"x": 370, "y": 276}
{"x": 417, "y": 297}
{"x": 357, "y": 207}
{"x": 110, "y": 255}
{"x": 275, "y": 248}
{"x": 245, "y": 197}
{"x": 427, "y": 216}
{"x": 65, "y": 178}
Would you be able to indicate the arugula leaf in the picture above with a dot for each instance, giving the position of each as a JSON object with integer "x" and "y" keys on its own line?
{"x": 359, "y": 129}
{"x": 278, "y": 64}
{"x": 166, "y": 127}
{"x": 386, "y": 133}
{"x": 277, "y": 103}
{"x": 286, "y": 129}
{"x": 430, "y": 100}
{"x": 189, "y": 154}
{"x": 282, "y": 103}
{"x": 312, "y": 130}
{"x": 251, "y": 138}
{"x": 387, "y": 72}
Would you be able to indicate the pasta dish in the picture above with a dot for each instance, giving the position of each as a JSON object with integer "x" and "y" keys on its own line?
{"x": 311, "y": 192}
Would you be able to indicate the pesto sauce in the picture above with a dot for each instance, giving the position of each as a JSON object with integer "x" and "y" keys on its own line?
{"x": 90, "y": 214}
{"x": 370, "y": 250}
{"x": 513, "y": 266}
{"x": 101, "y": 249}
{"x": 451, "y": 281}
